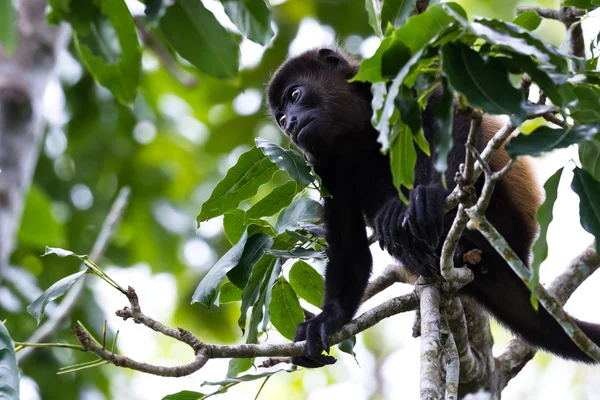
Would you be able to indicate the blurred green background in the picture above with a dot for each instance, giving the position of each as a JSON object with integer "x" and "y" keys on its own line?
{"x": 171, "y": 149}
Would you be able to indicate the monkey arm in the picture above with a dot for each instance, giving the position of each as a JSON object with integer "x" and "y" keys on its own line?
{"x": 346, "y": 277}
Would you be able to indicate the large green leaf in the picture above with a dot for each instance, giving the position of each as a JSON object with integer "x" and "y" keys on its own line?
{"x": 115, "y": 66}
{"x": 544, "y": 217}
{"x": 9, "y": 370}
{"x": 185, "y": 395}
{"x": 238, "y": 365}
{"x": 583, "y": 4}
{"x": 253, "y": 251}
{"x": 396, "y": 12}
{"x": 588, "y": 190}
{"x": 287, "y": 160}
{"x": 587, "y": 108}
{"x": 272, "y": 203}
{"x": 38, "y": 226}
{"x": 234, "y": 225}
{"x": 206, "y": 292}
{"x": 230, "y": 293}
{"x": 301, "y": 210}
{"x": 484, "y": 84}
{"x": 197, "y": 36}
{"x": 418, "y": 31}
{"x": 8, "y": 27}
{"x": 242, "y": 181}
{"x": 274, "y": 275}
{"x": 252, "y": 290}
{"x": 528, "y": 20}
{"x": 373, "y": 8}
{"x": 403, "y": 158}
{"x": 37, "y": 307}
{"x": 285, "y": 309}
{"x": 252, "y": 18}
{"x": 545, "y": 139}
{"x": 410, "y": 112}
{"x": 307, "y": 283}
{"x": 389, "y": 106}
{"x": 589, "y": 155}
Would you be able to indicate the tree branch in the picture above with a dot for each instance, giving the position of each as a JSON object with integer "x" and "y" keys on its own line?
{"x": 203, "y": 351}
{"x": 110, "y": 224}
{"x": 431, "y": 374}
{"x": 518, "y": 353}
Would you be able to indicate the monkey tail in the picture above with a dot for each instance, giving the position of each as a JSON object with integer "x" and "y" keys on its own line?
{"x": 503, "y": 293}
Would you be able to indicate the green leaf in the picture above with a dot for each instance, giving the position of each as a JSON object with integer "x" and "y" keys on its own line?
{"x": 396, "y": 12}
{"x": 589, "y": 154}
{"x": 307, "y": 283}
{"x": 515, "y": 39}
{"x": 587, "y": 108}
{"x": 251, "y": 293}
{"x": 544, "y": 217}
{"x": 9, "y": 35}
{"x": 9, "y": 370}
{"x": 544, "y": 139}
{"x": 583, "y": 4}
{"x": 118, "y": 69}
{"x": 38, "y": 226}
{"x": 388, "y": 109}
{"x": 251, "y": 17}
{"x": 37, "y": 307}
{"x": 373, "y": 8}
{"x": 243, "y": 378}
{"x": 237, "y": 366}
{"x": 287, "y": 160}
{"x": 234, "y": 225}
{"x": 347, "y": 346}
{"x": 230, "y": 293}
{"x": 274, "y": 275}
{"x": 298, "y": 252}
{"x": 410, "y": 111}
{"x": 588, "y": 190}
{"x": 528, "y": 20}
{"x": 63, "y": 253}
{"x": 197, "y": 36}
{"x": 272, "y": 203}
{"x": 285, "y": 309}
{"x": 444, "y": 120}
{"x": 301, "y": 210}
{"x": 206, "y": 292}
{"x": 403, "y": 158}
{"x": 253, "y": 251}
{"x": 484, "y": 84}
{"x": 370, "y": 68}
{"x": 185, "y": 395}
{"x": 241, "y": 182}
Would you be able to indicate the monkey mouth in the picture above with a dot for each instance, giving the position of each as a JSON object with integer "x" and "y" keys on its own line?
{"x": 301, "y": 129}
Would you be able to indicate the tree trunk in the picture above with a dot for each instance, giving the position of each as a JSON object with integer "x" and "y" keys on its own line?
{"x": 23, "y": 80}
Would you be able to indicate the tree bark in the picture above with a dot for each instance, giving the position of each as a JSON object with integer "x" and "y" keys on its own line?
{"x": 23, "y": 81}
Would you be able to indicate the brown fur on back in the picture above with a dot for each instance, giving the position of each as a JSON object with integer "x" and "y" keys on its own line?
{"x": 524, "y": 191}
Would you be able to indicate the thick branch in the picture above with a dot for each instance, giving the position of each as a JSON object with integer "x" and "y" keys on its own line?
{"x": 109, "y": 226}
{"x": 431, "y": 374}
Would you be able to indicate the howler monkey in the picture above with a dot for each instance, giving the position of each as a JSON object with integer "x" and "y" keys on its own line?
{"x": 329, "y": 118}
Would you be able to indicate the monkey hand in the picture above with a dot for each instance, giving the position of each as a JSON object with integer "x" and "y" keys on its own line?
{"x": 424, "y": 217}
{"x": 315, "y": 332}
{"x": 388, "y": 227}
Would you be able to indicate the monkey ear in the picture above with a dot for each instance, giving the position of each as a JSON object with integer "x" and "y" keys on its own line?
{"x": 330, "y": 56}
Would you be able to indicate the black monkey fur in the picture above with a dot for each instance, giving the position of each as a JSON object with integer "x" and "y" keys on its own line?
{"x": 329, "y": 119}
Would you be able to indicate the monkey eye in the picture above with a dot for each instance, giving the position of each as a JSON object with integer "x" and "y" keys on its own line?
{"x": 295, "y": 95}
{"x": 282, "y": 120}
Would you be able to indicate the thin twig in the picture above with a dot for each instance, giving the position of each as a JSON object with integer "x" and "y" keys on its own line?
{"x": 64, "y": 309}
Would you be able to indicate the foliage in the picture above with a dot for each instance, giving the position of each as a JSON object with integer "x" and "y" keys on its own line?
{"x": 182, "y": 134}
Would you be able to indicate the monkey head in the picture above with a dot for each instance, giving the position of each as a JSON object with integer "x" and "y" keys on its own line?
{"x": 314, "y": 104}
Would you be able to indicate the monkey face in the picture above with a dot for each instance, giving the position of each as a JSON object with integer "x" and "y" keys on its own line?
{"x": 314, "y": 104}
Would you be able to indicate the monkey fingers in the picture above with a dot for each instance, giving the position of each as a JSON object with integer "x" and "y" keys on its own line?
{"x": 424, "y": 216}
{"x": 315, "y": 332}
